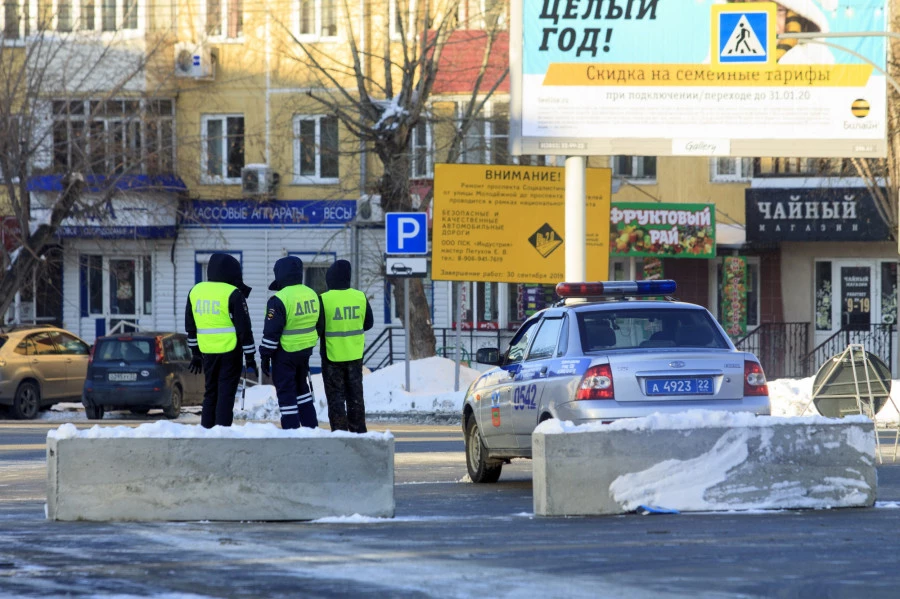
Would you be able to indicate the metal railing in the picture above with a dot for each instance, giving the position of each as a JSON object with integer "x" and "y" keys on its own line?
{"x": 390, "y": 345}
{"x": 877, "y": 339}
{"x": 781, "y": 348}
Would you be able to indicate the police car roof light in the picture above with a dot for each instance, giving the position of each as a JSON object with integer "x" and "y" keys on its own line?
{"x": 611, "y": 288}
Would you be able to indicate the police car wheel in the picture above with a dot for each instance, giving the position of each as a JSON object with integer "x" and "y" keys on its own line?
{"x": 481, "y": 470}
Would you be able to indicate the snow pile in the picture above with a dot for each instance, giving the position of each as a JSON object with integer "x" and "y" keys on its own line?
{"x": 164, "y": 429}
{"x": 431, "y": 382}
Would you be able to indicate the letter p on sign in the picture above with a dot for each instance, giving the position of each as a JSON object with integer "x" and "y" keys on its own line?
{"x": 406, "y": 232}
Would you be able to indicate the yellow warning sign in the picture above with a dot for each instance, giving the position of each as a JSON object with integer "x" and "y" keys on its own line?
{"x": 506, "y": 224}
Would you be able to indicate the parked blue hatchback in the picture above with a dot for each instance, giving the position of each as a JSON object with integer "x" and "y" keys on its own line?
{"x": 140, "y": 372}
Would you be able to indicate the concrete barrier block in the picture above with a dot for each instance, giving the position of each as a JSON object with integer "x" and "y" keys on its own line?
{"x": 703, "y": 463}
{"x": 279, "y": 478}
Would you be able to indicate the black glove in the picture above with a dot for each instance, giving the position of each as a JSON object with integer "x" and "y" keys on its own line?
{"x": 251, "y": 362}
{"x": 196, "y": 366}
{"x": 267, "y": 365}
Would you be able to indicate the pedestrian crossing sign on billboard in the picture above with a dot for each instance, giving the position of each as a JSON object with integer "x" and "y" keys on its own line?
{"x": 743, "y": 35}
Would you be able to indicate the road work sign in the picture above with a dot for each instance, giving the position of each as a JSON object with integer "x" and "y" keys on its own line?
{"x": 507, "y": 223}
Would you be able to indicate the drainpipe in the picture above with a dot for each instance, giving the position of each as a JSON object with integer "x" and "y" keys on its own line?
{"x": 363, "y": 171}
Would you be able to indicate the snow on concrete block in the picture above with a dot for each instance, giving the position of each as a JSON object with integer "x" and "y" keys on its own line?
{"x": 283, "y": 478}
{"x": 703, "y": 461}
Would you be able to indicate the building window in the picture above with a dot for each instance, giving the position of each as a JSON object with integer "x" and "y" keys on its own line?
{"x": 16, "y": 17}
{"x": 487, "y": 138}
{"x": 318, "y": 18}
{"x": 725, "y": 170}
{"x": 398, "y": 9}
{"x": 223, "y": 148}
{"x": 803, "y": 167}
{"x": 225, "y": 18}
{"x": 634, "y": 167}
{"x": 316, "y": 150}
{"x": 114, "y": 136}
{"x": 128, "y": 281}
{"x": 420, "y": 145}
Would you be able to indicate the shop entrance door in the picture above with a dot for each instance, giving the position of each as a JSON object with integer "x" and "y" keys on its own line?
{"x": 849, "y": 299}
{"x": 124, "y": 291}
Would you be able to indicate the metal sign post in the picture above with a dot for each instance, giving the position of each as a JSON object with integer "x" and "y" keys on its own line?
{"x": 406, "y": 325}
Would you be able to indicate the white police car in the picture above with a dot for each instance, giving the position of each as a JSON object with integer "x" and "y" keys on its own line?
{"x": 601, "y": 354}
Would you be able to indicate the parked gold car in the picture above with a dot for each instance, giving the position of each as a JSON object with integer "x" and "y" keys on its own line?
{"x": 40, "y": 366}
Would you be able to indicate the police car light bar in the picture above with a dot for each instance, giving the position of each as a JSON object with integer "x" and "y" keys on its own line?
{"x": 611, "y": 288}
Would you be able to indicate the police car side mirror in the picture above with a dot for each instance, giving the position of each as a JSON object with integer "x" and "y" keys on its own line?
{"x": 488, "y": 355}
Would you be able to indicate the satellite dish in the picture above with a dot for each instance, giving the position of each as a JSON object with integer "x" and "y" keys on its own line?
{"x": 852, "y": 378}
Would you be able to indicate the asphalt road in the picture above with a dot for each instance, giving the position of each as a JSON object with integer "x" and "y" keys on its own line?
{"x": 449, "y": 538}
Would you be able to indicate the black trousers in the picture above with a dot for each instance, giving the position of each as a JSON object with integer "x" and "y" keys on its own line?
{"x": 290, "y": 372}
{"x": 344, "y": 393}
{"x": 223, "y": 372}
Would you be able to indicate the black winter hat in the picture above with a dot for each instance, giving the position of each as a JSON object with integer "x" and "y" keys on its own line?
{"x": 288, "y": 271}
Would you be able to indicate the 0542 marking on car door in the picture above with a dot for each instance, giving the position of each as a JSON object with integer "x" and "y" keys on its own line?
{"x": 525, "y": 397}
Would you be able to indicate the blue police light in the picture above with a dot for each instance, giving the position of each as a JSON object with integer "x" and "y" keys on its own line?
{"x": 612, "y": 288}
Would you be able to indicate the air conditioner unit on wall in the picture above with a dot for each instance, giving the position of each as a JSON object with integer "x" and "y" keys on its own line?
{"x": 194, "y": 60}
{"x": 258, "y": 180}
{"x": 368, "y": 209}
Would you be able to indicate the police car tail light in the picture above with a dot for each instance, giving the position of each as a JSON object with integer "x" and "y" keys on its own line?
{"x": 613, "y": 288}
{"x": 754, "y": 379}
{"x": 597, "y": 383}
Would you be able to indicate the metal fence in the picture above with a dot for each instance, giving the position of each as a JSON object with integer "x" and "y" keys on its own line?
{"x": 390, "y": 345}
{"x": 781, "y": 347}
{"x": 877, "y": 339}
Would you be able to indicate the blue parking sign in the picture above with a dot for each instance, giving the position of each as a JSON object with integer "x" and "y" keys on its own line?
{"x": 406, "y": 233}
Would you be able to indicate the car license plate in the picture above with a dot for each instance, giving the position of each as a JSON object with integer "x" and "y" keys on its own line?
{"x": 123, "y": 376}
{"x": 692, "y": 386}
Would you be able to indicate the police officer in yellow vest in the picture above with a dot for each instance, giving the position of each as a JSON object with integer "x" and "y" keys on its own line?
{"x": 347, "y": 314}
{"x": 289, "y": 336}
{"x": 220, "y": 336}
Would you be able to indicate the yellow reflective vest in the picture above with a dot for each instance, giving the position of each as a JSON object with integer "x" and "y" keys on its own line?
{"x": 215, "y": 330}
{"x": 345, "y": 312}
{"x": 301, "y": 309}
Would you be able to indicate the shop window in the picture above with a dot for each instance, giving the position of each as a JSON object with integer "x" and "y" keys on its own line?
{"x": 225, "y": 18}
{"x": 752, "y": 291}
{"x": 316, "y": 149}
{"x": 95, "y": 284}
{"x": 889, "y": 292}
{"x": 479, "y": 305}
{"x": 201, "y": 260}
{"x": 823, "y": 296}
{"x": 317, "y": 18}
{"x": 223, "y": 148}
{"x": 526, "y": 299}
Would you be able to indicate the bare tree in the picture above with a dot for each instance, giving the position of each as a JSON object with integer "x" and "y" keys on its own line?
{"x": 381, "y": 92}
{"x": 49, "y": 74}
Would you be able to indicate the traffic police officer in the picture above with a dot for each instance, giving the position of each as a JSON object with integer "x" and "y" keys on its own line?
{"x": 219, "y": 334}
{"x": 289, "y": 336}
{"x": 347, "y": 314}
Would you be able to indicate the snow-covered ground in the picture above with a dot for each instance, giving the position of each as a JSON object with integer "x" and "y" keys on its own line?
{"x": 432, "y": 382}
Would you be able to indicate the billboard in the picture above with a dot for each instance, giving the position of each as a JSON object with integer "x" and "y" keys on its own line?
{"x": 697, "y": 77}
{"x": 662, "y": 230}
{"x": 506, "y": 224}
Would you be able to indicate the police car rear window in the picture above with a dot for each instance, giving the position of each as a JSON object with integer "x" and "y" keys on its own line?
{"x": 603, "y": 330}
